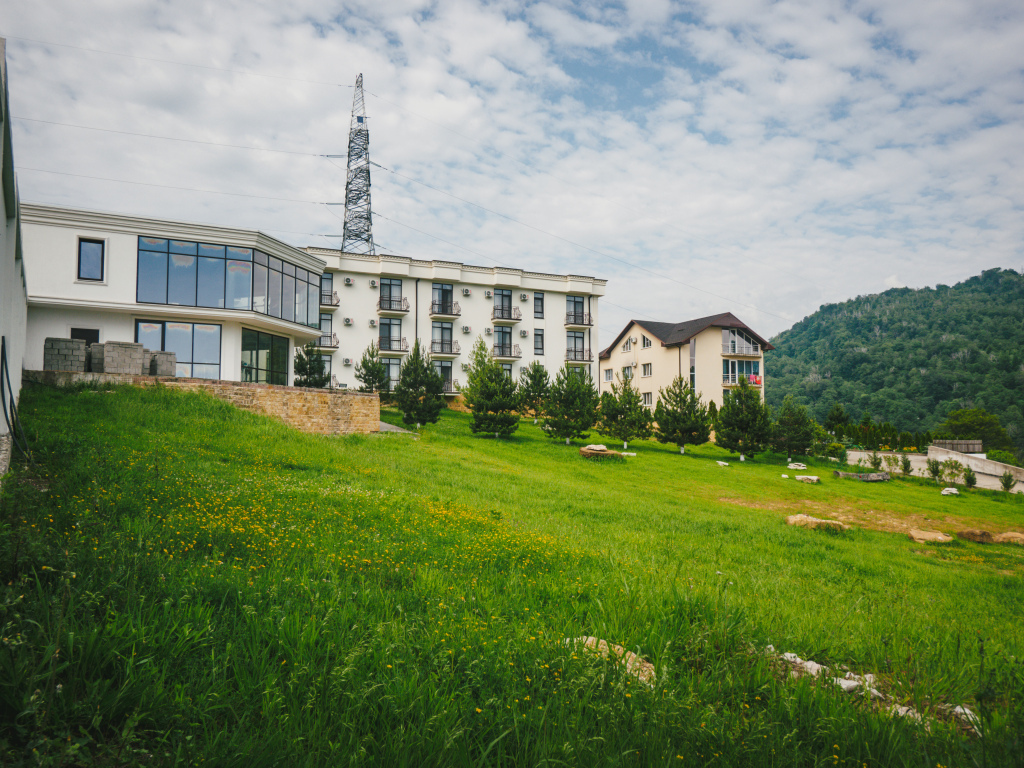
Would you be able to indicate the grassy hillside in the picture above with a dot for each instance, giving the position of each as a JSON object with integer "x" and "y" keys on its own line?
{"x": 187, "y": 583}
{"x": 908, "y": 356}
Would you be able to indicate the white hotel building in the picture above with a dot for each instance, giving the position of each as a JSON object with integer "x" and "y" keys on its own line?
{"x": 235, "y": 304}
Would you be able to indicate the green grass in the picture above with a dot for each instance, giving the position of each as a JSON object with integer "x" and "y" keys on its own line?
{"x": 188, "y": 583}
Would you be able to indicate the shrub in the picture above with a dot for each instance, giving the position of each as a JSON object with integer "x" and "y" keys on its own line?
{"x": 970, "y": 479}
{"x": 905, "y": 466}
{"x": 419, "y": 393}
{"x": 837, "y": 451}
{"x": 892, "y": 461}
{"x": 952, "y": 470}
{"x": 934, "y": 469}
{"x": 1006, "y": 481}
{"x": 875, "y": 461}
{"x": 624, "y": 415}
{"x": 1003, "y": 457}
{"x": 681, "y": 415}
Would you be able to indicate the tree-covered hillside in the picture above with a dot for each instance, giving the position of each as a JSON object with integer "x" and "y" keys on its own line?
{"x": 910, "y": 356}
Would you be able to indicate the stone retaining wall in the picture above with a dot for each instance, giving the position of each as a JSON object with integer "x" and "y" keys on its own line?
{"x": 318, "y": 411}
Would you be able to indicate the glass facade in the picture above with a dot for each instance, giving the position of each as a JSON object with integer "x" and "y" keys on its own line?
{"x": 187, "y": 274}
{"x": 196, "y": 346}
{"x": 264, "y": 357}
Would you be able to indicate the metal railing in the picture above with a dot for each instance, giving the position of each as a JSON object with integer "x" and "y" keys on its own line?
{"x": 388, "y": 344}
{"x": 741, "y": 349}
{"x": 578, "y": 318}
{"x": 400, "y": 304}
{"x": 449, "y": 308}
{"x": 443, "y": 347}
{"x": 579, "y": 355}
{"x": 328, "y": 341}
{"x": 506, "y": 313}
{"x": 450, "y": 386}
{"x": 753, "y": 379}
{"x": 506, "y": 350}
{"x": 329, "y": 299}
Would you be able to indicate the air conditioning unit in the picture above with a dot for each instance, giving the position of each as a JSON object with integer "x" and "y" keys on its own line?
{"x": 373, "y": 323}
{"x": 467, "y": 291}
{"x": 524, "y": 297}
{"x": 523, "y": 332}
{"x": 348, "y": 321}
{"x": 488, "y": 294}
{"x": 373, "y": 283}
{"x": 467, "y": 329}
{"x": 348, "y": 281}
{"x": 487, "y": 331}
{"x": 347, "y": 361}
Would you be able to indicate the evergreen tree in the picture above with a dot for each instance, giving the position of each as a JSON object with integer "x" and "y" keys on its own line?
{"x": 534, "y": 386}
{"x": 419, "y": 391}
{"x": 624, "y": 415}
{"x": 976, "y": 424}
{"x": 744, "y": 422}
{"x": 309, "y": 367}
{"x": 837, "y": 419}
{"x": 793, "y": 431}
{"x": 682, "y": 417}
{"x": 572, "y": 405}
{"x": 479, "y": 361}
{"x": 371, "y": 373}
{"x": 490, "y": 394}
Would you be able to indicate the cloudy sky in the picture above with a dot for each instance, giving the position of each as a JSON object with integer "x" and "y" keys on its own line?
{"x": 757, "y": 157}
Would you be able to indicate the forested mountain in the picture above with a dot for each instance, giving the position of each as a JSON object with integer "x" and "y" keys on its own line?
{"x": 909, "y": 356}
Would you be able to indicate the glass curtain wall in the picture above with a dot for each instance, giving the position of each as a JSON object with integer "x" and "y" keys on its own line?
{"x": 264, "y": 357}
{"x": 196, "y": 346}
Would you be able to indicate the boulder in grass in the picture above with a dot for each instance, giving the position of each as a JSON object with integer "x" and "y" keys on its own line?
{"x": 796, "y": 465}
{"x": 929, "y": 537}
{"x": 806, "y": 521}
{"x": 950, "y": 492}
{"x": 722, "y": 463}
{"x": 598, "y": 452}
{"x": 976, "y": 535}
{"x": 812, "y": 479}
{"x": 641, "y": 669}
{"x": 1010, "y": 537}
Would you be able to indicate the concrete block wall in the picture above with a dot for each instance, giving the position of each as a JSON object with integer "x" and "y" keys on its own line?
{"x": 119, "y": 357}
{"x": 161, "y": 363}
{"x": 64, "y": 355}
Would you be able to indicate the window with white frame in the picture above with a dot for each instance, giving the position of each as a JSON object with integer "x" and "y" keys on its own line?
{"x": 646, "y": 341}
{"x": 607, "y": 374}
{"x": 628, "y": 345}
{"x": 646, "y": 369}
{"x": 648, "y": 399}
{"x": 627, "y": 372}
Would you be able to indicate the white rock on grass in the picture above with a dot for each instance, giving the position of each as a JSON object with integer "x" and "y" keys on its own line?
{"x": 786, "y": 477}
{"x": 950, "y": 492}
{"x": 722, "y": 463}
{"x": 628, "y": 454}
{"x": 796, "y": 465}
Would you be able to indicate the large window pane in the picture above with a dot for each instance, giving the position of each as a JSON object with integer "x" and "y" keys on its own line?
{"x": 313, "y": 304}
{"x": 178, "y": 339}
{"x": 90, "y": 260}
{"x": 210, "y": 291}
{"x": 205, "y": 371}
{"x": 259, "y": 288}
{"x": 301, "y": 295}
{"x": 183, "y": 370}
{"x": 149, "y": 335}
{"x": 215, "y": 251}
{"x": 288, "y": 298}
{"x": 206, "y": 344}
{"x": 183, "y": 246}
{"x": 242, "y": 254}
{"x": 152, "y": 244}
{"x": 239, "y": 285}
{"x": 263, "y": 352}
{"x": 250, "y": 341}
{"x": 274, "y": 294}
{"x": 152, "y": 278}
{"x": 181, "y": 280}
{"x": 279, "y": 356}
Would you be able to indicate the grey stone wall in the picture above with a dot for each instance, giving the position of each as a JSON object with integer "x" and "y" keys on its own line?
{"x": 119, "y": 357}
{"x": 64, "y": 355}
{"x": 162, "y": 364}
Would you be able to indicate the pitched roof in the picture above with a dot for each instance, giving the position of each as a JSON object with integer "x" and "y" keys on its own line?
{"x": 674, "y": 334}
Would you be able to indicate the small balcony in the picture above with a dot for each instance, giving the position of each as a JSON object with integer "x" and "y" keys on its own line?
{"x": 450, "y": 386}
{"x": 506, "y": 351}
{"x": 329, "y": 300}
{"x": 733, "y": 379}
{"x": 579, "y": 320}
{"x": 742, "y": 350}
{"x": 445, "y": 309}
{"x": 398, "y": 306}
{"x": 328, "y": 341}
{"x": 507, "y": 315}
{"x": 392, "y": 345}
{"x": 444, "y": 348}
{"x": 579, "y": 356}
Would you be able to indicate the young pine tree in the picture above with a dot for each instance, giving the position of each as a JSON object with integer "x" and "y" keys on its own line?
{"x": 371, "y": 373}
{"x": 623, "y": 413}
{"x": 490, "y": 394}
{"x": 793, "y": 431}
{"x": 682, "y": 417}
{"x": 310, "y": 370}
{"x": 534, "y": 386}
{"x": 744, "y": 422}
{"x": 419, "y": 391}
{"x": 572, "y": 404}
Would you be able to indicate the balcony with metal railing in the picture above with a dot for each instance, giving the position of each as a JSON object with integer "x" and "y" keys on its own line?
{"x": 397, "y": 306}
{"x": 329, "y": 300}
{"x": 579, "y": 356}
{"x": 328, "y": 341}
{"x": 450, "y": 386}
{"x": 389, "y": 344}
{"x": 445, "y": 309}
{"x": 444, "y": 347}
{"x": 743, "y": 350}
{"x": 733, "y": 379}
{"x": 579, "y": 319}
{"x": 506, "y": 315}
{"x": 506, "y": 351}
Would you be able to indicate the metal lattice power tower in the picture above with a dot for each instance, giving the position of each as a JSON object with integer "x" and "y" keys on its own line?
{"x": 358, "y": 234}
